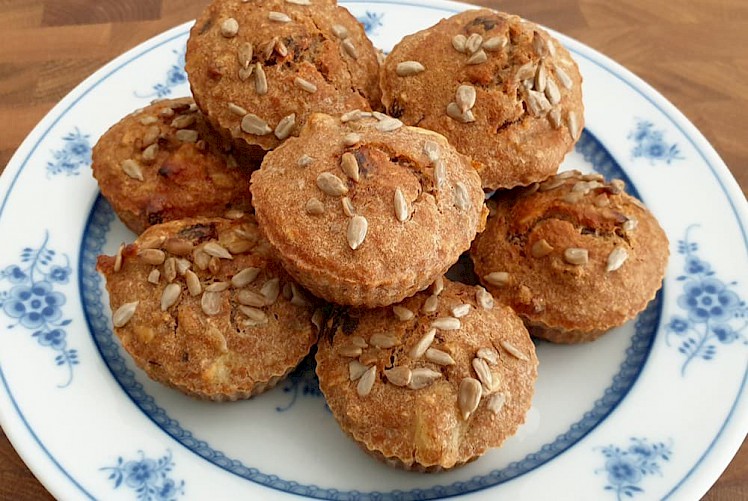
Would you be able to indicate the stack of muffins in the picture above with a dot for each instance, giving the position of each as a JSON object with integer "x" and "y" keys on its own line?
{"x": 283, "y": 209}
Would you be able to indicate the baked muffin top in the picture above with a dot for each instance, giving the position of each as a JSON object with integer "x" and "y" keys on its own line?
{"x": 258, "y": 69}
{"x": 364, "y": 211}
{"x": 202, "y": 306}
{"x": 572, "y": 253}
{"x": 164, "y": 162}
{"x": 500, "y": 88}
{"x": 431, "y": 383}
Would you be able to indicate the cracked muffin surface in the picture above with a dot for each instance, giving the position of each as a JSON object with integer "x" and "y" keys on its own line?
{"x": 499, "y": 88}
{"x": 574, "y": 256}
{"x": 365, "y": 211}
{"x": 201, "y": 305}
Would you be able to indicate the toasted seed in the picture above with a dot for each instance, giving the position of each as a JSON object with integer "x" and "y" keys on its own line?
{"x": 124, "y": 313}
{"x": 354, "y": 115}
{"x": 152, "y": 256}
{"x": 152, "y": 242}
{"x": 201, "y": 258}
{"x": 271, "y": 290}
{"x": 340, "y": 31}
{"x": 552, "y": 92}
{"x": 170, "y": 269}
{"x": 214, "y": 265}
{"x": 446, "y": 323}
{"x": 193, "y": 283}
{"x": 465, "y": 97}
{"x": 431, "y": 304}
{"x": 349, "y": 165}
{"x": 539, "y": 44}
{"x": 213, "y": 248}
{"x": 356, "y": 232}
{"x": 554, "y": 116}
{"x": 166, "y": 112}
{"x": 459, "y": 42}
{"x": 279, "y": 17}
{"x": 181, "y": 265}
{"x": 148, "y": 120}
{"x": 170, "y": 296}
{"x": 541, "y": 248}
{"x": 484, "y": 298}
{"x": 285, "y": 126}
{"x": 349, "y": 350}
{"x": 541, "y": 79}
{"x": 617, "y": 186}
{"x": 332, "y": 185}
{"x": 151, "y": 135}
{"x": 299, "y": 2}
{"x": 298, "y": 298}
{"x": 431, "y": 149}
{"x": 380, "y": 340}
{"x": 318, "y": 317}
{"x": 454, "y": 112}
{"x": 358, "y": 341}
{"x": 489, "y": 355}
{"x": 616, "y": 258}
{"x": 261, "y": 81}
{"x": 479, "y": 57}
{"x": 513, "y": 350}
{"x": 351, "y": 139}
{"x": 573, "y": 125}
{"x": 366, "y": 383}
{"x": 496, "y": 403}
{"x": 183, "y": 121}
{"x": 462, "y": 198}
{"x": 602, "y": 201}
{"x": 356, "y": 369}
{"x": 403, "y": 314}
{"x": 473, "y": 43}
{"x": 422, "y": 345}
{"x": 154, "y": 276}
{"x": 217, "y": 287}
{"x": 348, "y": 208}
{"x": 255, "y": 316}
{"x": 408, "y": 68}
{"x": 211, "y": 303}
{"x": 422, "y": 377}
{"x": 245, "y": 73}
{"x": 388, "y": 125}
{"x": 186, "y": 135}
{"x": 149, "y": 154}
{"x": 573, "y": 197}
{"x": 576, "y": 256}
{"x": 494, "y": 43}
{"x": 399, "y": 376}
{"x": 251, "y": 298}
{"x": 439, "y": 357}
{"x": 305, "y": 85}
{"x": 304, "y": 160}
{"x": 132, "y": 169}
{"x": 460, "y": 310}
{"x": 563, "y": 77}
{"x": 281, "y": 48}
{"x": 350, "y": 48}
{"x": 252, "y": 124}
{"x": 497, "y": 278}
{"x": 484, "y": 373}
{"x": 244, "y": 53}
{"x": 525, "y": 71}
{"x": 440, "y": 173}
{"x": 402, "y": 212}
{"x": 538, "y": 103}
{"x": 314, "y": 207}
{"x": 468, "y": 396}
{"x": 630, "y": 224}
{"x": 229, "y": 27}
{"x": 245, "y": 277}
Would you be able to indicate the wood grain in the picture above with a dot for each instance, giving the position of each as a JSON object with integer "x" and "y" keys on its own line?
{"x": 692, "y": 51}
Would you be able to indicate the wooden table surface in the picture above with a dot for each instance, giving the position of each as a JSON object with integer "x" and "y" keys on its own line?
{"x": 692, "y": 51}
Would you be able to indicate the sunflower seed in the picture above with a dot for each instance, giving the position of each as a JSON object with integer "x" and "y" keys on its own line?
{"x": 366, "y": 383}
{"x": 350, "y": 48}
{"x": 431, "y": 304}
{"x": 246, "y": 73}
{"x": 440, "y": 173}
{"x": 494, "y": 43}
{"x": 454, "y": 112}
{"x": 245, "y": 277}
{"x": 132, "y": 169}
{"x": 541, "y": 79}
{"x": 539, "y": 44}
{"x": 217, "y": 287}
{"x": 213, "y": 248}
{"x": 330, "y": 184}
{"x": 183, "y": 121}
{"x": 351, "y": 139}
{"x": 304, "y": 161}
{"x": 356, "y": 232}
{"x": 573, "y": 197}
{"x": 402, "y": 212}
{"x": 186, "y": 135}
{"x": 318, "y": 317}
{"x": 229, "y": 27}
{"x": 214, "y": 265}
{"x": 281, "y": 48}
{"x": 349, "y": 165}
{"x": 551, "y": 184}
{"x": 170, "y": 296}
{"x": 473, "y": 43}
{"x": 358, "y": 341}
{"x": 285, "y": 126}
{"x": 252, "y": 124}
{"x": 211, "y": 303}
{"x": 149, "y": 154}
{"x": 152, "y": 256}
{"x": 251, "y": 298}
{"x": 602, "y": 201}
{"x": 408, "y": 68}
{"x": 201, "y": 258}
{"x": 465, "y": 97}
{"x": 496, "y": 403}
{"x": 388, "y": 125}
{"x": 460, "y": 310}
{"x": 297, "y": 296}
{"x": 446, "y": 323}
{"x": 432, "y": 151}
{"x": 422, "y": 345}
{"x": 166, "y": 112}
{"x": 459, "y": 42}
{"x": 299, "y": 2}
{"x": 484, "y": 298}
{"x": 554, "y": 116}
{"x": 244, "y": 54}
{"x": 462, "y": 198}
{"x": 479, "y": 57}
{"x": 438, "y": 286}
{"x": 354, "y": 115}
{"x": 154, "y": 276}
{"x": 348, "y": 208}
{"x": 468, "y": 396}
{"x": 152, "y": 242}
{"x": 525, "y": 71}
{"x": 148, "y": 120}
{"x": 573, "y": 125}
{"x": 538, "y": 103}
{"x": 356, "y": 369}
{"x": 513, "y": 350}
{"x": 181, "y": 265}
{"x": 576, "y": 256}
{"x": 484, "y": 373}
{"x": 314, "y": 207}
{"x": 255, "y": 316}
{"x": 399, "y": 376}
{"x": 403, "y": 314}
{"x": 170, "y": 269}
{"x": 617, "y": 186}
{"x": 193, "y": 283}
{"x": 630, "y": 224}
{"x": 616, "y": 258}
{"x": 151, "y": 135}
{"x": 552, "y": 92}
{"x": 124, "y": 313}
{"x": 349, "y": 351}
{"x": 340, "y": 31}
{"x": 305, "y": 85}
{"x": 268, "y": 48}
{"x": 261, "y": 81}
{"x": 380, "y": 340}
{"x": 422, "y": 377}
{"x": 541, "y": 248}
{"x": 270, "y": 290}
{"x": 279, "y": 17}
{"x": 439, "y": 357}
{"x": 563, "y": 77}
{"x": 489, "y": 355}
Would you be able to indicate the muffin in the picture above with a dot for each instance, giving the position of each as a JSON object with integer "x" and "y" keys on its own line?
{"x": 201, "y": 305}
{"x": 431, "y": 383}
{"x": 365, "y": 212}
{"x": 164, "y": 162}
{"x": 258, "y": 69}
{"x": 499, "y": 88}
{"x": 573, "y": 255}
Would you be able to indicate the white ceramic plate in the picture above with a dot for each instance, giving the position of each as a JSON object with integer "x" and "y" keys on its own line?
{"x": 655, "y": 409}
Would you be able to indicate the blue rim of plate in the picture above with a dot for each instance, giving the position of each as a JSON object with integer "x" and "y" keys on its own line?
{"x": 595, "y": 58}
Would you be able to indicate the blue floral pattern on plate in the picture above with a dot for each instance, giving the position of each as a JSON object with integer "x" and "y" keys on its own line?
{"x": 303, "y": 380}
{"x": 371, "y": 21}
{"x": 175, "y": 76}
{"x": 650, "y": 144}
{"x": 626, "y": 467}
{"x": 32, "y": 302}
{"x": 149, "y": 478}
{"x": 714, "y": 312}
{"x": 75, "y": 153}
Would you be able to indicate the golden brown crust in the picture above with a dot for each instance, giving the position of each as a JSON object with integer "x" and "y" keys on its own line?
{"x": 425, "y": 428}
{"x": 149, "y": 175}
{"x": 396, "y": 258}
{"x": 215, "y": 350}
{"x": 343, "y": 69}
{"x": 524, "y": 123}
{"x": 529, "y": 245}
